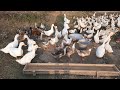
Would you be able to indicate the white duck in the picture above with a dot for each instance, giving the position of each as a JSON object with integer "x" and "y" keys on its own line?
{"x": 97, "y": 25}
{"x": 53, "y": 41}
{"x": 49, "y": 32}
{"x": 73, "y": 47}
{"x": 71, "y": 50}
{"x": 57, "y": 33}
{"x": 112, "y": 23}
{"x": 41, "y": 35}
{"x": 81, "y": 30}
{"x": 72, "y": 31}
{"x": 108, "y": 47}
{"x": 15, "y": 52}
{"x": 111, "y": 16}
{"x": 84, "y": 53}
{"x": 64, "y": 52}
{"x": 42, "y": 26}
{"x": 13, "y": 44}
{"x": 76, "y": 36}
{"x": 35, "y": 25}
{"x": 65, "y": 29}
{"x": 96, "y": 37}
{"x": 118, "y": 21}
{"x": 110, "y": 34}
{"x": 94, "y": 14}
{"x": 66, "y": 37}
{"x": 89, "y": 31}
{"x": 67, "y": 41}
{"x": 28, "y": 57}
{"x": 100, "y": 51}
{"x": 81, "y": 23}
{"x": 66, "y": 25}
{"x": 103, "y": 38}
{"x": 89, "y": 35}
{"x": 85, "y": 29}
{"x": 105, "y": 22}
{"x": 30, "y": 43}
{"x": 76, "y": 26}
{"x": 65, "y": 19}
{"x": 102, "y": 32}
{"x": 30, "y": 46}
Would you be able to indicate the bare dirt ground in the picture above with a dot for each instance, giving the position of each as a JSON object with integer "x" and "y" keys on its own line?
{"x": 10, "y": 22}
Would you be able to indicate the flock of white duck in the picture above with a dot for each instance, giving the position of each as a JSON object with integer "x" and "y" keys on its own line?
{"x": 98, "y": 29}
{"x": 14, "y": 50}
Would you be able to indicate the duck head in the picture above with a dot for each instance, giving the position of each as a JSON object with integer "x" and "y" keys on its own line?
{"x": 16, "y": 37}
{"x": 22, "y": 44}
{"x": 26, "y": 36}
{"x": 90, "y": 50}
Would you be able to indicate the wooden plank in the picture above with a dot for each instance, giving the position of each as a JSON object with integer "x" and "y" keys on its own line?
{"x": 74, "y": 72}
{"x": 71, "y": 68}
{"x": 71, "y": 64}
{"x": 107, "y": 73}
{"x": 116, "y": 68}
{"x": 76, "y": 64}
{"x": 83, "y": 72}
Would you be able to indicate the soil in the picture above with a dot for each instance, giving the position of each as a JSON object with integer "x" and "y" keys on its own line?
{"x": 11, "y": 21}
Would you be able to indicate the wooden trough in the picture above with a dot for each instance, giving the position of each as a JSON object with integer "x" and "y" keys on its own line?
{"x": 70, "y": 68}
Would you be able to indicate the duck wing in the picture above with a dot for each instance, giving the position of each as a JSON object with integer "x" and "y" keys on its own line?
{"x": 76, "y": 36}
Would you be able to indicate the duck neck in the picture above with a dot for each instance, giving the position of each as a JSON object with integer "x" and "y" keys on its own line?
{"x": 16, "y": 38}
{"x": 34, "y": 49}
{"x": 93, "y": 28}
{"x": 65, "y": 50}
{"x": 64, "y": 15}
{"x": 52, "y": 27}
{"x": 62, "y": 45}
{"x": 89, "y": 50}
{"x": 97, "y": 32}
{"x": 56, "y": 31}
{"x": 108, "y": 41}
{"x": 20, "y": 46}
{"x": 66, "y": 37}
{"x": 27, "y": 38}
{"x": 104, "y": 42}
{"x": 108, "y": 37}
{"x": 35, "y": 25}
{"x": 41, "y": 35}
{"x": 56, "y": 38}
{"x": 73, "y": 47}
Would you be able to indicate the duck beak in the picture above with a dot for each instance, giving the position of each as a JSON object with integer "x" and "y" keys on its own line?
{"x": 25, "y": 45}
{"x": 78, "y": 42}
